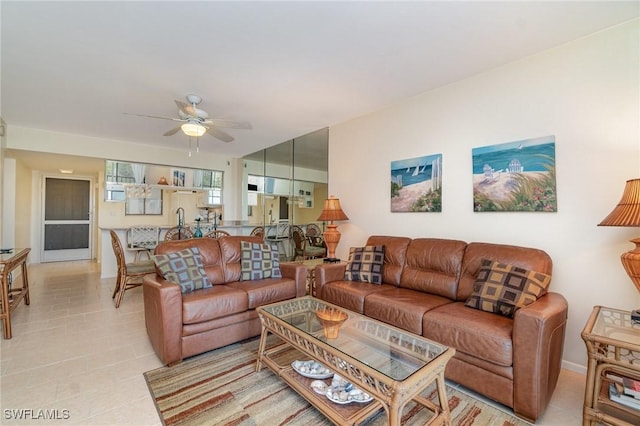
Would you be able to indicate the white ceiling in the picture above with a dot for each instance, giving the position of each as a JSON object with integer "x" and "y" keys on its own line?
{"x": 289, "y": 68}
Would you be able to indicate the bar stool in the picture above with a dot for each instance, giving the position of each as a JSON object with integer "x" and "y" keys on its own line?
{"x": 142, "y": 239}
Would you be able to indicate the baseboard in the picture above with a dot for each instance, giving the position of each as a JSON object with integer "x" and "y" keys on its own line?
{"x": 576, "y": 368}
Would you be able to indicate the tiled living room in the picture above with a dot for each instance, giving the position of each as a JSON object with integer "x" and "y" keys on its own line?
{"x": 503, "y": 125}
{"x": 95, "y": 355}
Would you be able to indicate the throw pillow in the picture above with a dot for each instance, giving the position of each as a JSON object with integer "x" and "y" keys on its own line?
{"x": 184, "y": 267}
{"x": 259, "y": 261}
{"x": 365, "y": 264}
{"x": 503, "y": 289}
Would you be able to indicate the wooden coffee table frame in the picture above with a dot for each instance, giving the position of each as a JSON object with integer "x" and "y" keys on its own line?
{"x": 392, "y": 395}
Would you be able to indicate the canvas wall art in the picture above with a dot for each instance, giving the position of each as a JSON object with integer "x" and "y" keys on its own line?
{"x": 515, "y": 176}
{"x": 178, "y": 177}
{"x": 416, "y": 184}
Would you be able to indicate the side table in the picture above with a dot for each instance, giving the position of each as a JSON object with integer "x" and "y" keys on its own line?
{"x": 10, "y": 298}
{"x": 613, "y": 349}
{"x": 311, "y": 267}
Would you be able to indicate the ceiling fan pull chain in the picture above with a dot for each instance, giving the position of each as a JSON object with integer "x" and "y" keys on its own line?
{"x": 189, "y": 146}
{"x": 197, "y": 144}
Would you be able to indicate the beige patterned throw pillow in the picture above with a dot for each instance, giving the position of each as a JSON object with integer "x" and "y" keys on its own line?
{"x": 502, "y": 289}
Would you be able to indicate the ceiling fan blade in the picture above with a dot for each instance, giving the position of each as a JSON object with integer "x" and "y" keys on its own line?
{"x": 172, "y": 131}
{"x": 186, "y": 109}
{"x": 230, "y": 124}
{"x": 155, "y": 116}
{"x": 219, "y": 134}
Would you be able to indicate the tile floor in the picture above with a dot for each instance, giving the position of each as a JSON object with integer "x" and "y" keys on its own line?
{"x": 78, "y": 357}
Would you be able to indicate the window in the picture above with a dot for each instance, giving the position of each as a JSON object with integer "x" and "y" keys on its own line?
{"x": 149, "y": 203}
{"x": 121, "y": 178}
{"x": 212, "y": 179}
{"x": 117, "y": 172}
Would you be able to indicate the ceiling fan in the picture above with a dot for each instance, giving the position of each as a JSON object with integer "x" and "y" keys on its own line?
{"x": 196, "y": 122}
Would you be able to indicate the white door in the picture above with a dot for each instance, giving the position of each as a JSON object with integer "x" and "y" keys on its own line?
{"x": 66, "y": 229}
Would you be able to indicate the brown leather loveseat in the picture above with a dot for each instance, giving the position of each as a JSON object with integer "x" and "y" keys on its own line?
{"x": 181, "y": 325}
{"x": 425, "y": 283}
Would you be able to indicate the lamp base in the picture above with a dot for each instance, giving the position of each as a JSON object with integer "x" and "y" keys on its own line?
{"x": 330, "y": 260}
{"x": 635, "y": 316}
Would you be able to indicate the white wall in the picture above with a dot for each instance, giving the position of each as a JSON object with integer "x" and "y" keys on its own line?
{"x": 8, "y": 203}
{"x": 3, "y": 143}
{"x": 586, "y": 93}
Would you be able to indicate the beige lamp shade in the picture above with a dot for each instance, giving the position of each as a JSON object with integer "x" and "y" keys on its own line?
{"x": 332, "y": 210}
{"x": 627, "y": 212}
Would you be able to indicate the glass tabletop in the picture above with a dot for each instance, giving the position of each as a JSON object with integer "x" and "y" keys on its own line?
{"x": 7, "y": 255}
{"x": 391, "y": 351}
{"x": 616, "y": 324}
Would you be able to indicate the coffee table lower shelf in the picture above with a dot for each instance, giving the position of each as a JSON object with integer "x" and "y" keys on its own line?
{"x": 340, "y": 414}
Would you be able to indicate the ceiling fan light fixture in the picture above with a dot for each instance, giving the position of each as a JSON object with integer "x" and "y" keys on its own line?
{"x": 193, "y": 129}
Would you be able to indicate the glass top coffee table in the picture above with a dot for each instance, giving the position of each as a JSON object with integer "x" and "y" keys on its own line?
{"x": 391, "y": 365}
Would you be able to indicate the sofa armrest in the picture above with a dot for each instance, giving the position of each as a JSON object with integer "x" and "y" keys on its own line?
{"x": 163, "y": 317}
{"x": 297, "y": 272}
{"x": 538, "y": 340}
{"x": 326, "y": 273}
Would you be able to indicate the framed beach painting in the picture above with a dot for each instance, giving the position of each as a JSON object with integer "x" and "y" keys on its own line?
{"x": 515, "y": 176}
{"x": 416, "y": 184}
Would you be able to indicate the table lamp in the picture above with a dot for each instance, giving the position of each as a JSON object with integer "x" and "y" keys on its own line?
{"x": 332, "y": 211}
{"x": 627, "y": 213}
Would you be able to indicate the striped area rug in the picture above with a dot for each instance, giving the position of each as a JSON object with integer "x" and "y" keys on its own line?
{"x": 221, "y": 387}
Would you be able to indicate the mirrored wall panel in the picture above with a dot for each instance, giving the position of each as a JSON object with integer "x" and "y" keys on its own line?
{"x": 287, "y": 186}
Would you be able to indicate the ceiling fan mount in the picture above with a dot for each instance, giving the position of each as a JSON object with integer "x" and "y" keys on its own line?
{"x": 194, "y": 99}
{"x": 196, "y": 122}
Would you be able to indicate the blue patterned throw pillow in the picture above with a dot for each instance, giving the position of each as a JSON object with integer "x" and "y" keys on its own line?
{"x": 259, "y": 261}
{"x": 184, "y": 268}
{"x": 365, "y": 264}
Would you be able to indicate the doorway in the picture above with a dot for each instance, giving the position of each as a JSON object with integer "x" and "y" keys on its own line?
{"x": 67, "y": 224}
{"x": 284, "y": 209}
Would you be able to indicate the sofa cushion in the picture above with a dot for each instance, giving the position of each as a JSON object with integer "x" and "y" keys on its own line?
{"x": 211, "y": 303}
{"x": 263, "y": 292}
{"x": 477, "y": 333}
{"x": 350, "y": 294}
{"x": 433, "y": 266}
{"x": 365, "y": 264}
{"x": 259, "y": 261}
{"x": 402, "y": 307}
{"x": 183, "y": 267}
{"x": 395, "y": 250}
{"x": 231, "y": 255}
{"x": 209, "y": 252}
{"x": 524, "y": 257}
{"x": 502, "y": 288}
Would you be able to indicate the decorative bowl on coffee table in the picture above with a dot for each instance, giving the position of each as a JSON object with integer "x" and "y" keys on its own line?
{"x": 331, "y": 320}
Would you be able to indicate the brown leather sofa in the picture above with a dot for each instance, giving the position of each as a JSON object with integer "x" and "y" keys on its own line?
{"x": 182, "y": 325}
{"x": 425, "y": 285}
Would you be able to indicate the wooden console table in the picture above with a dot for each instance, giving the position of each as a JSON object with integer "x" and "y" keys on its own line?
{"x": 10, "y": 298}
